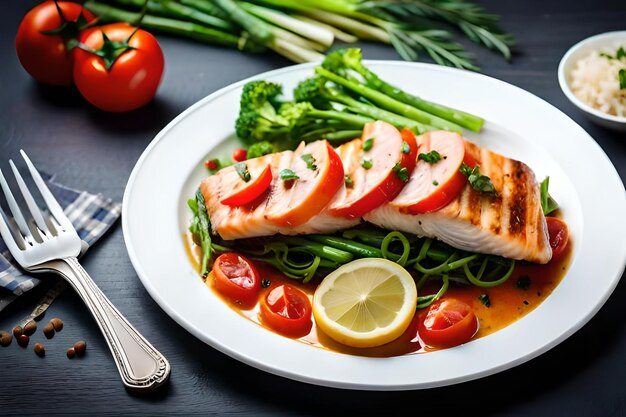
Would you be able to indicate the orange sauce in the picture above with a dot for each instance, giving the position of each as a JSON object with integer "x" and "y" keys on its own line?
{"x": 508, "y": 302}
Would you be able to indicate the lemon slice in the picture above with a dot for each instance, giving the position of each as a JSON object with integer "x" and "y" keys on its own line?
{"x": 365, "y": 303}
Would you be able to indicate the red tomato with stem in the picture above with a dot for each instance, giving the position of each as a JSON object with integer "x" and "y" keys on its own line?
{"x": 45, "y": 38}
{"x": 287, "y": 310}
{"x": 236, "y": 278}
{"x": 448, "y": 323}
{"x": 559, "y": 236}
{"x": 251, "y": 190}
{"x": 122, "y": 69}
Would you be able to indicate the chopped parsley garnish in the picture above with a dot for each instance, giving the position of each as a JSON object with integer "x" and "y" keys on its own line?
{"x": 484, "y": 298}
{"x": 242, "y": 170}
{"x": 622, "y": 79}
{"x": 621, "y": 75}
{"x": 367, "y": 163}
{"x": 310, "y": 161}
{"x": 480, "y": 183}
{"x": 435, "y": 183}
{"x": 368, "y": 144}
{"x": 430, "y": 157}
{"x": 523, "y": 282}
{"x": 265, "y": 283}
{"x": 548, "y": 205}
{"x": 406, "y": 149}
{"x": 288, "y": 175}
{"x": 347, "y": 179}
{"x": 401, "y": 172}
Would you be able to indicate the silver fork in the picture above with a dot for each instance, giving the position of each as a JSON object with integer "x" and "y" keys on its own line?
{"x": 46, "y": 241}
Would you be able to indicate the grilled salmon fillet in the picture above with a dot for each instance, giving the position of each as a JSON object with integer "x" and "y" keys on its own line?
{"x": 511, "y": 225}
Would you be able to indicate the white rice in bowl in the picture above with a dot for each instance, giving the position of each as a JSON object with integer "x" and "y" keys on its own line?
{"x": 595, "y": 81}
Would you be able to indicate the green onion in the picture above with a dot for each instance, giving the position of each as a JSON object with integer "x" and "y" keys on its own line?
{"x": 401, "y": 172}
{"x": 367, "y": 163}
{"x": 430, "y": 157}
{"x": 406, "y": 148}
{"x": 368, "y": 144}
{"x": 347, "y": 179}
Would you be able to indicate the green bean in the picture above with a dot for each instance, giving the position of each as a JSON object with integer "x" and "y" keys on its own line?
{"x": 323, "y": 251}
{"x": 390, "y": 255}
{"x": 427, "y": 300}
{"x": 355, "y": 248}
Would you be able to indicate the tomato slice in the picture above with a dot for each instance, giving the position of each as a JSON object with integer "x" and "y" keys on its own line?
{"x": 236, "y": 277}
{"x": 251, "y": 189}
{"x": 559, "y": 236}
{"x": 371, "y": 187}
{"x": 287, "y": 310}
{"x": 448, "y": 323}
{"x": 433, "y": 185}
{"x": 320, "y": 174}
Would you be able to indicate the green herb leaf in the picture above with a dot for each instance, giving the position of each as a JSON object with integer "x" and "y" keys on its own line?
{"x": 288, "y": 175}
{"x": 366, "y": 163}
{"x": 523, "y": 282}
{"x": 347, "y": 179}
{"x": 242, "y": 170}
{"x": 480, "y": 183}
{"x": 484, "y": 298}
{"x": 548, "y": 205}
{"x": 406, "y": 149}
{"x": 265, "y": 283}
{"x": 401, "y": 172}
{"x": 621, "y": 53}
{"x": 435, "y": 183}
{"x": 368, "y": 144}
{"x": 310, "y": 161}
{"x": 430, "y": 157}
{"x": 622, "y": 79}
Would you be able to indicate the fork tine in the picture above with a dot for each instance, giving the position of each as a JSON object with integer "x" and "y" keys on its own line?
{"x": 53, "y": 204}
{"x": 7, "y": 236}
{"x": 30, "y": 201}
{"x": 15, "y": 209}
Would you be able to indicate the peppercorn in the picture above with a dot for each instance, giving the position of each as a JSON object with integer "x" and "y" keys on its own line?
{"x": 23, "y": 340}
{"x": 30, "y": 328}
{"x": 80, "y": 347}
{"x": 48, "y": 330}
{"x": 40, "y": 350}
{"x": 57, "y": 323}
{"x": 5, "y": 338}
{"x": 18, "y": 331}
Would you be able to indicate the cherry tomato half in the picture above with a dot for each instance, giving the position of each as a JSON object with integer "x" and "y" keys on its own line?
{"x": 448, "y": 323}
{"x": 44, "y": 55}
{"x": 250, "y": 190}
{"x": 236, "y": 278}
{"x": 559, "y": 236}
{"x": 287, "y": 310}
{"x": 240, "y": 154}
{"x": 131, "y": 81}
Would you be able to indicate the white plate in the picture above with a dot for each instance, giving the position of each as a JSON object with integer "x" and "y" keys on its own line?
{"x": 520, "y": 125}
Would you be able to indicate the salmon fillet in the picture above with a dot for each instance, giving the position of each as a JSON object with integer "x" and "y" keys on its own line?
{"x": 511, "y": 225}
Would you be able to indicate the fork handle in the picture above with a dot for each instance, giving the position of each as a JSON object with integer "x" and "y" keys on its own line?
{"x": 140, "y": 365}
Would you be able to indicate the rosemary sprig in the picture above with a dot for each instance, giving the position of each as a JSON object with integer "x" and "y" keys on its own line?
{"x": 478, "y": 25}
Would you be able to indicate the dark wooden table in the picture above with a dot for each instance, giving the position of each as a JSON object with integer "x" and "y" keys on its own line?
{"x": 88, "y": 149}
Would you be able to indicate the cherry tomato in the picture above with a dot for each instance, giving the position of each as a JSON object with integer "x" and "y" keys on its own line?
{"x": 46, "y": 57}
{"x": 131, "y": 81}
{"x": 287, "y": 310}
{"x": 448, "y": 323}
{"x": 251, "y": 189}
{"x": 240, "y": 155}
{"x": 236, "y": 278}
{"x": 211, "y": 164}
{"x": 559, "y": 236}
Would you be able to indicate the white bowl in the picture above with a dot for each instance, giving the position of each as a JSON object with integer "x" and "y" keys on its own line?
{"x": 568, "y": 63}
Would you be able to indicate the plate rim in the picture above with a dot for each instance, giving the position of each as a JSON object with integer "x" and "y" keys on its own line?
{"x": 351, "y": 385}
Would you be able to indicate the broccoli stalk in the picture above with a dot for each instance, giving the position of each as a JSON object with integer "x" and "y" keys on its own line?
{"x": 263, "y": 117}
{"x": 316, "y": 91}
{"x": 388, "y": 103}
{"x": 351, "y": 59}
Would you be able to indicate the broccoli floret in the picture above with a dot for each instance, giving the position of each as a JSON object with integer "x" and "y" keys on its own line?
{"x": 258, "y": 117}
{"x": 314, "y": 91}
{"x": 260, "y": 149}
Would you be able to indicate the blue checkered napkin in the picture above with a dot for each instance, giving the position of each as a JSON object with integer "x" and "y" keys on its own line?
{"x": 91, "y": 215}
